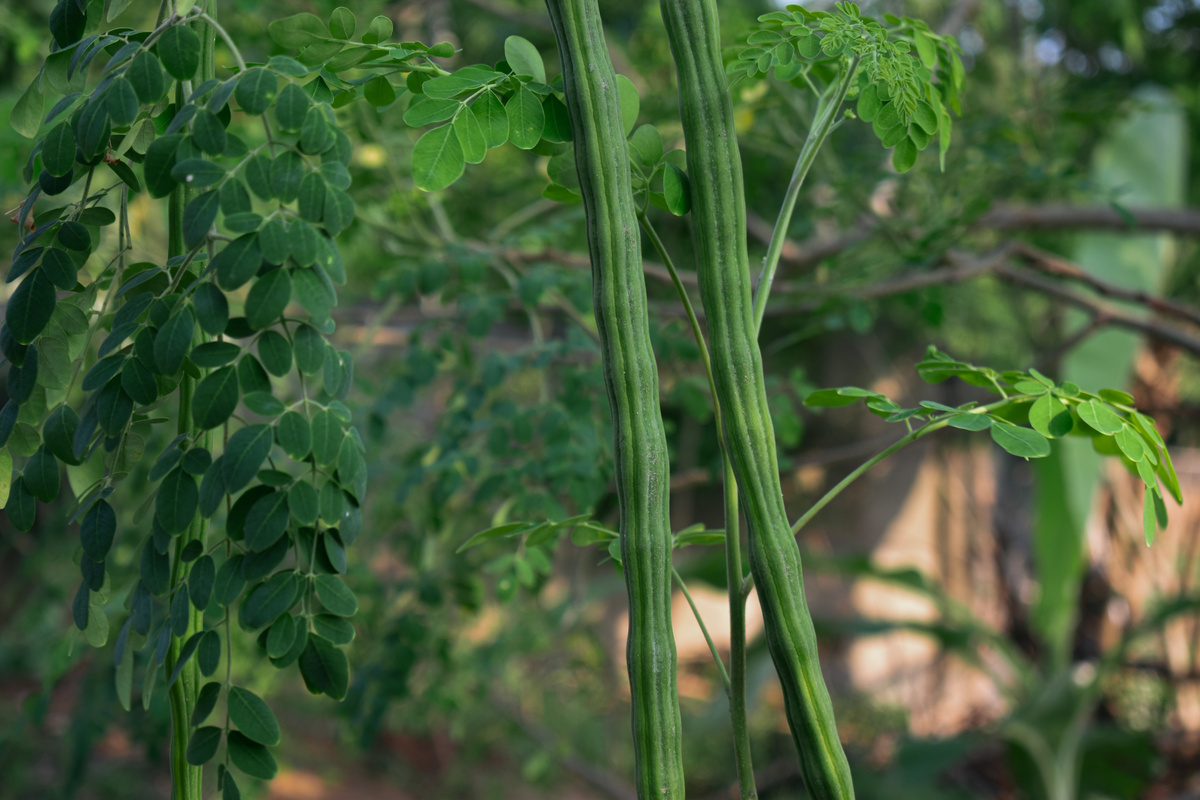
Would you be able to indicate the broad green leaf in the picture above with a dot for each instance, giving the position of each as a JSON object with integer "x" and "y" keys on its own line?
{"x": 59, "y": 435}
{"x": 1019, "y": 441}
{"x": 251, "y": 757}
{"x": 200, "y": 581}
{"x": 336, "y": 596}
{"x": 557, "y": 127}
{"x": 26, "y": 115}
{"x": 287, "y": 170}
{"x": 325, "y": 668}
{"x": 270, "y": 599}
{"x": 315, "y": 134}
{"x": 489, "y": 111}
{"x": 970, "y": 422}
{"x": 291, "y": 107}
{"x": 252, "y": 716}
{"x": 829, "y": 398}
{"x": 905, "y": 155}
{"x": 97, "y": 530}
{"x": 209, "y": 133}
{"x": 238, "y": 262}
{"x": 926, "y": 118}
{"x": 470, "y": 136}
{"x": 158, "y": 163}
{"x": 266, "y": 521}
{"x": 30, "y": 307}
{"x": 203, "y": 744}
{"x": 326, "y": 437}
{"x": 428, "y": 111}
{"x": 525, "y": 119}
{"x": 334, "y": 629}
{"x": 524, "y": 58}
{"x": 179, "y": 50}
{"x": 677, "y": 190}
{"x": 173, "y": 341}
{"x": 298, "y": 31}
{"x": 302, "y": 503}
{"x": 341, "y": 25}
{"x": 294, "y": 435}
{"x": 310, "y": 201}
{"x": 198, "y": 219}
{"x": 379, "y": 31}
{"x": 281, "y": 635}
{"x": 273, "y": 241}
{"x": 437, "y": 159}
{"x": 1131, "y": 444}
{"x": 314, "y": 291}
{"x": 256, "y": 90}
{"x": 58, "y": 150}
{"x": 495, "y": 532}
{"x": 647, "y": 142}
{"x": 247, "y": 449}
{"x": 1100, "y": 417}
{"x": 176, "y": 501}
{"x": 267, "y": 299}
{"x": 868, "y": 104}
{"x": 627, "y": 96}
{"x": 206, "y": 701}
{"x": 379, "y": 92}
{"x": 122, "y": 102}
{"x": 1050, "y": 417}
{"x": 214, "y": 354}
{"x": 275, "y": 352}
{"x": 145, "y": 74}
{"x": 60, "y": 268}
{"x": 215, "y": 399}
{"x": 41, "y": 475}
{"x": 309, "y": 349}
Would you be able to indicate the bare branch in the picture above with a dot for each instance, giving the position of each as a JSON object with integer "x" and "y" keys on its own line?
{"x": 1134, "y": 220}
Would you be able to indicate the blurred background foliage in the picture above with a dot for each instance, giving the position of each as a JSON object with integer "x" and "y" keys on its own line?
{"x": 498, "y": 672}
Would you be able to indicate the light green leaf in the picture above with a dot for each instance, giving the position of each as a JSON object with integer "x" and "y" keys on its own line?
{"x": 471, "y": 136}
{"x": 1019, "y": 441}
{"x": 1050, "y": 417}
{"x": 26, "y": 116}
{"x": 489, "y": 111}
{"x": 524, "y": 58}
{"x": 627, "y": 97}
{"x": 677, "y": 190}
{"x": 526, "y": 119}
{"x": 438, "y": 159}
{"x": 1100, "y": 417}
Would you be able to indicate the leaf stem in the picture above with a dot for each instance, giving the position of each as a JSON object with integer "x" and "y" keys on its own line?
{"x": 712, "y": 648}
{"x": 826, "y": 116}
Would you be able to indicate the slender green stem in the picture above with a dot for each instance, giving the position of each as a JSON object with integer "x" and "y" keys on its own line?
{"x": 826, "y": 116}
{"x": 737, "y": 633}
{"x": 736, "y": 684}
{"x": 712, "y": 647}
{"x": 225, "y": 37}
{"x": 687, "y": 305}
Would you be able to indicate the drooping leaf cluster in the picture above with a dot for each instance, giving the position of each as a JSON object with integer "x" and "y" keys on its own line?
{"x": 1033, "y": 412}
{"x": 258, "y": 495}
{"x": 906, "y": 98}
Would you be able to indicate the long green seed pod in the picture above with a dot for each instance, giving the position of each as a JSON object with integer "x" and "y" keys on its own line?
{"x": 631, "y": 377}
{"x": 719, "y": 233}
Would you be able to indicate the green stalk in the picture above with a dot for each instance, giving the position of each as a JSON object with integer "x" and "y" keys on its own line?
{"x": 826, "y": 114}
{"x": 631, "y": 380}
{"x": 187, "y": 781}
{"x": 719, "y": 233}
{"x": 735, "y": 683}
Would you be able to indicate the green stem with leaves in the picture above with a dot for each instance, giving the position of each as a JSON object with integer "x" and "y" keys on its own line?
{"x": 827, "y": 113}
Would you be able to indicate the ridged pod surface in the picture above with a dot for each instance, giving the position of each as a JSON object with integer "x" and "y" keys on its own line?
{"x": 719, "y": 235}
{"x": 631, "y": 378}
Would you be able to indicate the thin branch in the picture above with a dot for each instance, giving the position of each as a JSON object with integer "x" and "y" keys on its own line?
{"x": 1053, "y": 217}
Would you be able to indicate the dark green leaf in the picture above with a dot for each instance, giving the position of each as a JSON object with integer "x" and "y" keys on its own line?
{"x": 336, "y": 596}
{"x": 200, "y": 581}
{"x": 315, "y": 292}
{"x": 379, "y": 31}
{"x": 1020, "y": 441}
{"x": 158, "y": 163}
{"x": 60, "y": 268}
{"x": 557, "y": 126}
{"x": 379, "y": 92}
{"x": 524, "y": 58}
{"x": 252, "y": 716}
{"x": 310, "y": 200}
{"x": 176, "y": 502}
{"x": 905, "y": 155}
{"x": 309, "y": 349}
{"x": 266, "y": 521}
{"x": 525, "y": 119}
{"x": 287, "y": 170}
{"x": 270, "y": 599}
{"x": 238, "y": 262}
{"x": 203, "y": 745}
{"x": 122, "y": 102}
{"x": 97, "y": 530}
{"x": 294, "y": 435}
{"x": 30, "y": 307}
{"x": 290, "y": 107}
{"x": 209, "y": 133}
{"x": 206, "y": 701}
{"x": 214, "y": 354}
{"x": 59, "y": 433}
{"x": 256, "y": 90}
{"x": 275, "y": 352}
{"x": 334, "y": 629}
{"x": 264, "y": 404}
{"x": 41, "y": 475}
{"x": 326, "y": 437}
{"x": 315, "y": 134}
{"x": 211, "y": 308}
{"x": 198, "y": 219}
{"x": 58, "y": 150}
{"x": 21, "y": 507}
{"x": 179, "y": 50}
{"x": 302, "y": 503}
{"x": 489, "y": 111}
{"x": 303, "y": 242}
{"x": 229, "y": 583}
{"x": 251, "y": 757}
{"x": 273, "y": 240}
{"x": 173, "y": 341}
{"x": 244, "y": 454}
{"x": 267, "y": 299}
{"x": 281, "y": 635}
{"x": 438, "y": 160}
{"x": 215, "y": 399}
{"x": 197, "y": 173}
{"x": 145, "y": 74}
{"x": 325, "y": 668}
